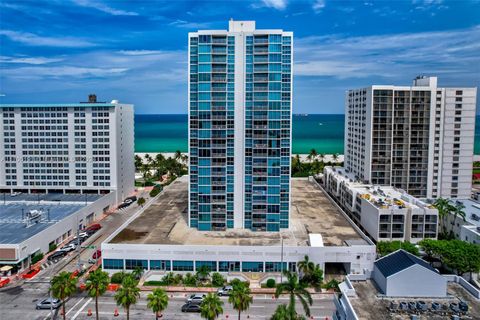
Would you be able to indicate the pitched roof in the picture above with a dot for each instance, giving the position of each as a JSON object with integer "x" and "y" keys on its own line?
{"x": 398, "y": 261}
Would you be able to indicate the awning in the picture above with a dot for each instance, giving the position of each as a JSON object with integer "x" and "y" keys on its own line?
{"x": 6, "y": 268}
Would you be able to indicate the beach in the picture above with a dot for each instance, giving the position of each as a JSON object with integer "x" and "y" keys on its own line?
{"x": 303, "y": 157}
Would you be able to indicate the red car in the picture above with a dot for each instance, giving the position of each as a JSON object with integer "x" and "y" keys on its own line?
{"x": 94, "y": 227}
{"x": 97, "y": 254}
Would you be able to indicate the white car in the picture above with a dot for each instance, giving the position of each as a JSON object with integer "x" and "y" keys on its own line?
{"x": 68, "y": 247}
{"x": 225, "y": 291}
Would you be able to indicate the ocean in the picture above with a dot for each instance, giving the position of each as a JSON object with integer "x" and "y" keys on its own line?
{"x": 322, "y": 132}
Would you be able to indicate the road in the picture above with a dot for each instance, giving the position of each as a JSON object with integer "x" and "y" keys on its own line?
{"x": 19, "y": 303}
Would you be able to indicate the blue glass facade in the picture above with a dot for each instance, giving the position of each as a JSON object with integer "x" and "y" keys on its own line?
{"x": 266, "y": 129}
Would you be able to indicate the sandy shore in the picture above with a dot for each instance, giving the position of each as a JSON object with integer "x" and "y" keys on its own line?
{"x": 303, "y": 157}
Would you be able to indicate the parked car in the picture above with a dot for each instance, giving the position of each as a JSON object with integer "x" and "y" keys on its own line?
{"x": 195, "y": 298}
{"x": 97, "y": 254}
{"x": 93, "y": 227}
{"x": 225, "y": 291}
{"x": 68, "y": 247}
{"x": 129, "y": 201}
{"x": 57, "y": 255}
{"x": 133, "y": 198}
{"x": 189, "y": 307}
{"x": 83, "y": 234}
{"x": 123, "y": 205}
{"x": 49, "y": 303}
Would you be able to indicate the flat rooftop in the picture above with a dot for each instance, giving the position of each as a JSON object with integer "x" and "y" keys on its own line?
{"x": 368, "y": 302}
{"x": 52, "y": 197}
{"x": 165, "y": 222}
{"x": 14, "y": 230}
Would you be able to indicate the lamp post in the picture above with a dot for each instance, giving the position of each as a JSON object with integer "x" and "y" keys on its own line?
{"x": 281, "y": 259}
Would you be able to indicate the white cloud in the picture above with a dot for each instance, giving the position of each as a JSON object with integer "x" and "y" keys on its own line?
{"x": 276, "y": 4}
{"x": 190, "y": 25}
{"x": 28, "y": 60}
{"x": 104, "y": 8}
{"x": 442, "y": 52}
{"x": 318, "y": 5}
{"x": 31, "y": 39}
{"x": 61, "y": 72}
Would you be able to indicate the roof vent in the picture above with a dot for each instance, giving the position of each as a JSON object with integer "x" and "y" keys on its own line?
{"x": 92, "y": 98}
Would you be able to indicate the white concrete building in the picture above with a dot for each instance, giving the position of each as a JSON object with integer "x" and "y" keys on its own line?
{"x": 384, "y": 213}
{"x": 418, "y": 138}
{"x": 468, "y": 229}
{"x": 67, "y": 148}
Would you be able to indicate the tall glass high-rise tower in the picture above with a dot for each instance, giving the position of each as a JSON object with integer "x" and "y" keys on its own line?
{"x": 240, "y": 108}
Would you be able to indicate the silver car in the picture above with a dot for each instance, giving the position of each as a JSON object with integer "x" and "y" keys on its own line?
{"x": 49, "y": 303}
{"x": 196, "y": 298}
{"x": 225, "y": 291}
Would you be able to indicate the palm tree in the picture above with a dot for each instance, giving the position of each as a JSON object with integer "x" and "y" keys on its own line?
{"x": 178, "y": 155}
{"x": 240, "y": 298}
{"x": 62, "y": 287}
{"x": 335, "y": 157}
{"x": 295, "y": 289}
{"x": 96, "y": 285}
{"x": 457, "y": 211}
{"x": 321, "y": 156}
{"x": 306, "y": 266}
{"x": 157, "y": 301}
{"x": 211, "y": 307}
{"x": 185, "y": 159}
{"x": 281, "y": 313}
{"x": 159, "y": 165}
{"x": 316, "y": 277}
{"x": 312, "y": 155}
{"x": 444, "y": 207}
{"x": 137, "y": 273}
{"x": 203, "y": 272}
{"x": 145, "y": 169}
{"x": 148, "y": 159}
{"x": 138, "y": 162}
{"x": 127, "y": 294}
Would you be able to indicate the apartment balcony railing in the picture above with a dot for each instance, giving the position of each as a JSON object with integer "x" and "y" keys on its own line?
{"x": 219, "y": 79}
{"x": 219, "y": 126}
{"x": 219, "y": 70}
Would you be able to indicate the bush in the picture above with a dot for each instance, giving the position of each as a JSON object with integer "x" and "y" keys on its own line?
{"x": 117, "y": 277}
{"x": 217, "y": 279}
{"x": 387, "y": 247}
{"x": 37, "y": 257}
{"x": 154, "y": 192}
{"x": 190, "y": 280}
{"x": 154, "y": 283}
{"x": 52, "y": 247}
{"x": 271, "y": 283}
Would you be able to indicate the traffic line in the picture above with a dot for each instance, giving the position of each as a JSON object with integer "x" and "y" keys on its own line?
{"x": 80, "y": 310}
{"x": 76, "y": 304}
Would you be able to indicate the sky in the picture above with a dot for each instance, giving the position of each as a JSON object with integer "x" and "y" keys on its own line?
{"x": 136, "y": 51}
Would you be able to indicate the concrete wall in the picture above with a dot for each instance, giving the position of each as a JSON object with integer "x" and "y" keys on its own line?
{"x": 379, "y": 279}
{"x": 416, "y": 281}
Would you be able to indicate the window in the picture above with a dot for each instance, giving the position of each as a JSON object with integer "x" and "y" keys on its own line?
{"x": 181, "y": 265}
{"x": 116, "y": 264}
{"x": 212, "y": 265}
{"x": 252, "y": 266}
{"x": 131, "y": 264}
{"x": 225, "y": 266}
{"x": 275, "y": 266}
{"x": 160, "y": 265}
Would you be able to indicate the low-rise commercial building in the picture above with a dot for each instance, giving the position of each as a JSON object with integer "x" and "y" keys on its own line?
{"x": 384, "y": 213}
{"x": 31, "y": 223}
{"x": 160, "y": 239}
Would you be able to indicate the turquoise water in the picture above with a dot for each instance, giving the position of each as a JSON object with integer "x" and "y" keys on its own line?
{"x": 322, "y": 132}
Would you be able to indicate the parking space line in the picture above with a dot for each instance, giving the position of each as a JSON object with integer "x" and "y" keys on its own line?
{"x": 74, "y": 306}
{"x": 80, "y": 310}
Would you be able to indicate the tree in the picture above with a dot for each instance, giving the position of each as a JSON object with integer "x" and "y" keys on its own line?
{"x": 312, "y": 155}
{"x": 306, "y": 266}
{"x": 296, "y": 164}
{"x": 178, "y": 155}
{"x": 203, "y": 273}
{"x": 138, "y": 162}
{"x": 157, "y": 301}
{"x": 387, "y": 247}
{"x": 321, "y": 156}
{"x": 332, "y": 284}
{"x": 141, "y": 201}
{"x": 145, "y": 169}
{"x": 316, "y": 277}
{"x": 217, "y": 279}
{"x": 148, "y": 159}
{"x": 128, "y": 294}
{"x": 295, "y": 289}
{"x": 240, "y": 298}
{"x": 457, "y": 212}
{"x": 190, "y": 280}
{"x": 96, "y": 285}
{"x": 444, "y": 207}
{"x": 281, "y": 313}
{"x": 63, "y": 286}
{"x": 211, "y": 307}
{"x": 137, "y": 273}
{"x": 335, "y": 157}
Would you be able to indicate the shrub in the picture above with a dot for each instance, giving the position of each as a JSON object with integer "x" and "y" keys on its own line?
{"x": 154, "y": 283}
{"x": 217, "y": 279}
{"x": 189, "y": 280}
{"x": 117, "y": 277}
{"x": 37, "y": 257}
{"x": 271, "y": 283}
{"x": 52, "y": 247}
